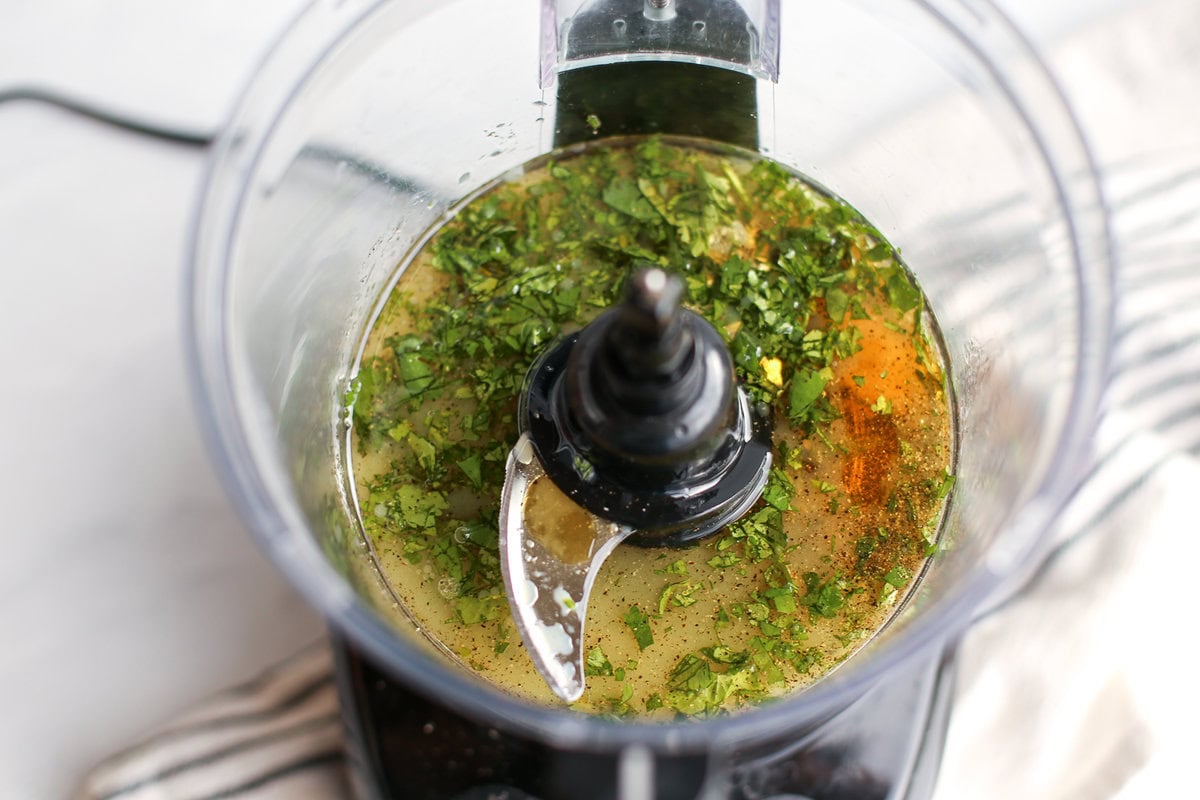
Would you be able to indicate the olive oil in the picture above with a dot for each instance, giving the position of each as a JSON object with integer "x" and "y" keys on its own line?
{"x": 825, "y": 326}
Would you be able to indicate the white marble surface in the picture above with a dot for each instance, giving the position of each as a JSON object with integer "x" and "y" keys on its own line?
{"x": 128, "y": 587}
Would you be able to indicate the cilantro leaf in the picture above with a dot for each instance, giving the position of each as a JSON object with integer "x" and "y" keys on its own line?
{"x": 596, "y": 663}
{"x": 472, "y": 467}
{"x": 624, "y": 195}
{"x": 639, "y": 623}
{"x": 823, "y": 599}
{"x": 901, "y": 292}
{"x": 807, "y": 386}
{"x": 836, "y": 303}
{"x": 898, "y": 576}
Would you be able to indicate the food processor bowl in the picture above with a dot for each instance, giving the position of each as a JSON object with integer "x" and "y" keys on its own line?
{"x": 370, "y": 119}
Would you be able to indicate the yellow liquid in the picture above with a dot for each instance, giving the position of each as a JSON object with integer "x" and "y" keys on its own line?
{"x": 869, "y": 474}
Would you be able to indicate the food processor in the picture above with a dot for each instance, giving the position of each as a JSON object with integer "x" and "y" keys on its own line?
{"x": 370, "y": 120}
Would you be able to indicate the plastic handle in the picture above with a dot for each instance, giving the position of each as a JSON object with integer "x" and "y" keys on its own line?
{"x": 742, "y": 35}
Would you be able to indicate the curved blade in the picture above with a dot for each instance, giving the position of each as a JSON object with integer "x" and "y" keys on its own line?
{"x": 549, "y": 564}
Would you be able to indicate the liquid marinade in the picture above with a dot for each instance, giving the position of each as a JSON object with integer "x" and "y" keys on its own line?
{"x": 824, "y": 324}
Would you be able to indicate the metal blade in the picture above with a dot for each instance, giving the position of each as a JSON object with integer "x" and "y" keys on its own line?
{"x": 549, "y": 564}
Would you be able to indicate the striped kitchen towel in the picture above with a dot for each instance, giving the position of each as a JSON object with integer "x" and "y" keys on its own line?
{"x": 275, "y": 737}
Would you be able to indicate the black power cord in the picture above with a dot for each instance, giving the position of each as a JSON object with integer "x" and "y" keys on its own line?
{"x": 375, "y": 172}
{"x": 113, "y": 119}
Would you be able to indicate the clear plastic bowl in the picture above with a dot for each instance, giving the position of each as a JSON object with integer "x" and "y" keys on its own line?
{"x": 368, "y": 120}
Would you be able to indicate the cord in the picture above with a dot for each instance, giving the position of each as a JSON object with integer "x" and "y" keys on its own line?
{"x": 113, "y": 119}
{"x": 143, "y": 127}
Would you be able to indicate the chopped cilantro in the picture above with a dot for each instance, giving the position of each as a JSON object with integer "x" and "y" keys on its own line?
{"x": 901, "y": 292}
{"x": 779, "y": 490}
{"x": 898, "y": 576}
{"x": 596, "y": 663}
{"x": 941, "y": 488}
{"x": 677, "y": 567}
{"x": 806, "y": 387}
{"x": 782, "y": 598}
{"x": 836, "y": 303}
{"x": 724, "y": 560}
{"x": 624, "y": 195}
{"x": 474, "y": 609}
{"x": 417, "y": 508}
{"x": 681, "y": 594}
{"x": 865, "y": 546}
{"x": 525, "y": 262}
{"x": 472, "y": 467}
{"x": 639, "y": 623}
{"x": 823, "y": 599}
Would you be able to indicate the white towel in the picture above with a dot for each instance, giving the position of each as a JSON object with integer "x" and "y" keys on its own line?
{"x": 275, "y": 737}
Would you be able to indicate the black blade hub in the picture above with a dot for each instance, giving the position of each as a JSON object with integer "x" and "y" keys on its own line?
{"x": 639, "y": 419}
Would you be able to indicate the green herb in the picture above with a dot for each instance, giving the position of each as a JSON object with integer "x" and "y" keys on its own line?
{"x": 806, "y": 388}
{"x": 415, "y": 507}
{"x": 596, "y": 663}
{"x": 779, "y": 490}
{"x": 472, "y": 467}
{"x": 474, "y": 609}
{"x": 901, "y": 292}
{"x": 624, "y": 195}
{"x": 826, "y": 598}
{"x": 681, "y": 594}
{"x": 677, "y": 567}
{"x": 865, "y": 546}
{"x": 897, "y": 576}
{"x": 724, "y": 560}
{"x": 940, "y": 488}
{"x": 526, "y": 262}
{"x": 639, "y": 623}
{"x": 836, "y": 303}
{"x": 782, "y": 597}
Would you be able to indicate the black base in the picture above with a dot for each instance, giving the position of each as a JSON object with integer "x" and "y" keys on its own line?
{"x": 886, "y": 746}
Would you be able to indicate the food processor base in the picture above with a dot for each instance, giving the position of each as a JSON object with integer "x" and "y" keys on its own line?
{"x": 886, "y": 746}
